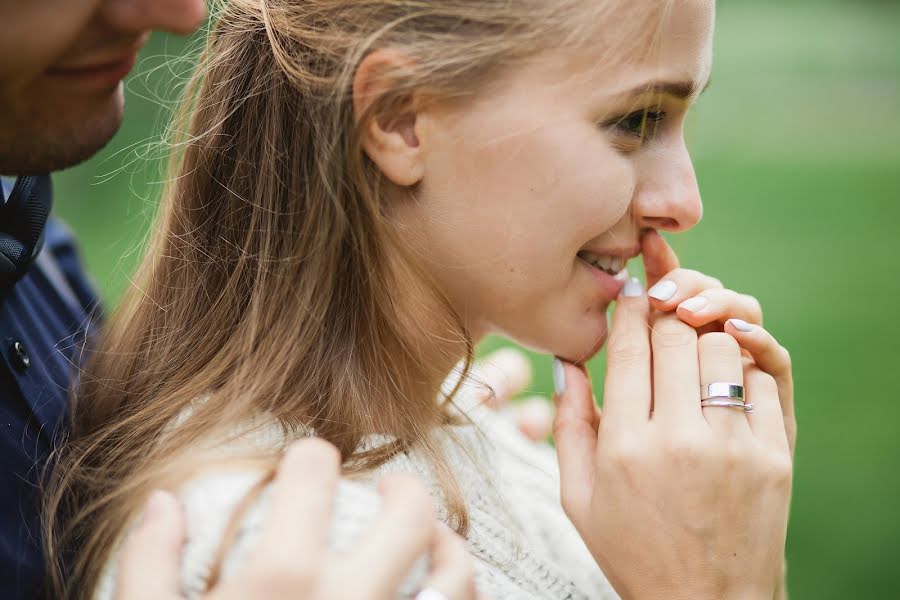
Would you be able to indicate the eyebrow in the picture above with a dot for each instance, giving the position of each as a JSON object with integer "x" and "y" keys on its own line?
{"x": 681, "y": 90}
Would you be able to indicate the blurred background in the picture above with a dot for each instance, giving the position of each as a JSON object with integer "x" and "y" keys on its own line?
{"x": 797, "y": 148}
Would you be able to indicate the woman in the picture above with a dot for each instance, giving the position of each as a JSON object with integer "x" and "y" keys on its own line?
{"x": 364, "y": 190}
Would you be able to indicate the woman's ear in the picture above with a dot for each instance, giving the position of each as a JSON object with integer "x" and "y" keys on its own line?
{"x": 390, "y": 139}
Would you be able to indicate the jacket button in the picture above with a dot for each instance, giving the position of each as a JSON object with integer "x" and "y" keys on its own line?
{"x": 20, "y": 359}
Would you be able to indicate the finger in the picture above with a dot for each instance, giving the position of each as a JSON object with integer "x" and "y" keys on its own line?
{"x": 627, "y": 391}
{"x": 679, "y": 285}
{"x": 659, "y": 258}
{"x": 772, "y": 358}
{"x": 766, "y": 421}
{"x": 721, "y": 361}
{"x": 676, "y": 372}
{"x": 719, "y": 305}
{"x": 149, "y": 569}
{"x": 302, "y": 496}
{"x": 575, "y": 434}
{"x": 452, "y": 572}
{"x": 402, "y": 533}
{"x": 534, "y": 417}
{"x": 506, "y": 373}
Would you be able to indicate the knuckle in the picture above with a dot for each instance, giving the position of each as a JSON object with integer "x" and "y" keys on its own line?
{"x": 734, "y": 455}
{"x": 714, "y": 282}
{"x": 313, "y": 452}
{"x": 753, "y": 307}
{"x": 718, "y": 342}
{"x": 670, "y": 332}
{"x": 779, "y": 470}
{"x": 275, "y": 575}
{"x": 625, "y": 353}
{"x": 784, "y": 357}
{"x": 685, "y": 451}
{"x": 761, "y": 381}
{"x": 623, "y": 455}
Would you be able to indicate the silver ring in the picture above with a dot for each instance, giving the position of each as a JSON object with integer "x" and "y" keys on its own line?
{"x": 430, "y": 593}
{"x": 722, "y": 389}
{"x": 723, "y": 402}
{"x": 748, "y": 407}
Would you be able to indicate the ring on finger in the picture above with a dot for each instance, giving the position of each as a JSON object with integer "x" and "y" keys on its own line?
{"x": 722, "y": 389}
{"x": 746, "y": 407}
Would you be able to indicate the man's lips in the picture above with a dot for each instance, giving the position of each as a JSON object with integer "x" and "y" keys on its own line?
{"x": 102, "y": 74}
{"x": 106, "y": 68}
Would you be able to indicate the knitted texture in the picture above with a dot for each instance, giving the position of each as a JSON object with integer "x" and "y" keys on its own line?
{"x": 522, "y": 544}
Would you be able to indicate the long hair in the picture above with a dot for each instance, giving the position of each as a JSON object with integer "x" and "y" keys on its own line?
{"x": 269, "y": 288}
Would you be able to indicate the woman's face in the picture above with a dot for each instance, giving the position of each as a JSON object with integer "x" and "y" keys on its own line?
{"x": 554, "y": 167}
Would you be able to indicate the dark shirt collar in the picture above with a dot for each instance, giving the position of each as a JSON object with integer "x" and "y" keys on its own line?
{"x": 6, "y": 186}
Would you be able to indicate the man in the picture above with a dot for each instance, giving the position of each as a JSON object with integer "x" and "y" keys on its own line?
{"x": 61, "y": 100}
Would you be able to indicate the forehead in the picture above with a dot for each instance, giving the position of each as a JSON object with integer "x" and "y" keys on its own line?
{"x": 632, "y": 43}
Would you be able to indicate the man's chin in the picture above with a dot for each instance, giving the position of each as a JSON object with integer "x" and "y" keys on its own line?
{"x": 59, "y": 141}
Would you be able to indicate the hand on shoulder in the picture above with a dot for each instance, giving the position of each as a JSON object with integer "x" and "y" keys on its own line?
{"x": 300, "y": 566}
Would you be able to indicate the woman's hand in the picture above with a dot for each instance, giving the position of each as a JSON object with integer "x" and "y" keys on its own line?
{"x": 674, "y": 500}
{"x": 292, "y": 560}
{"x": 702, "y": 302}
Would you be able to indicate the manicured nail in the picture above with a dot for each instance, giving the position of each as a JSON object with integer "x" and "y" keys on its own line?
{"x": 559, "y": 377}
{"x": 633, "y": 288}
{"x": 694, "y": 304}
{"x": 622, "y": 275}
{"x": 741, "y": 325}
{"x": 664, "y": 290}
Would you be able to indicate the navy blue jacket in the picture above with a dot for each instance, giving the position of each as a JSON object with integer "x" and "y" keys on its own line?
{"x": 43, "y": 320}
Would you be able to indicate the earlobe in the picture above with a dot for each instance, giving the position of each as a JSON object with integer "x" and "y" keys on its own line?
{"x": 391, "y": 139}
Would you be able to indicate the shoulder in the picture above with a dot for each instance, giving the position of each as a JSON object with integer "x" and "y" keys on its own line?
{"x": 210, "y": 503}
{"x": 62, "y": 248}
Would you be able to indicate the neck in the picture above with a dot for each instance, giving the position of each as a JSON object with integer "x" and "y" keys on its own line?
{"x": 427, "y": 319}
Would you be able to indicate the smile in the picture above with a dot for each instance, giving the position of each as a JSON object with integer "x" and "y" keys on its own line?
{"x": 611, "y": 265}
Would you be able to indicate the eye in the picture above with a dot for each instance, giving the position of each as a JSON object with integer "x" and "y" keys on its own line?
{"x": 642, "y": 124}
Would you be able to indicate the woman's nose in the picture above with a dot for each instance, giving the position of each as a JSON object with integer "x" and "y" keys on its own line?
{"x": 667, "y": 197}
{"x": 175, "y": 16}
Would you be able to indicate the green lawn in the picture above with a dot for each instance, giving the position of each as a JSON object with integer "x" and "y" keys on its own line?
{"x": 796, "y": 147}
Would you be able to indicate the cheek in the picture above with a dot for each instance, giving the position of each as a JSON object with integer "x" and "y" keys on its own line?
{"x": 42, "y": 34}
{"x": 523, "y": 205}
{"x": 537, "y": 195}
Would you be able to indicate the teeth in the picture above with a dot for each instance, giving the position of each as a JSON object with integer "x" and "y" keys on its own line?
{"x": 610, "y": 264}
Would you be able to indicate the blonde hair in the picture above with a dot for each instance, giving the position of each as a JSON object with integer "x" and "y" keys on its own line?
{"x": 268, "y": 287}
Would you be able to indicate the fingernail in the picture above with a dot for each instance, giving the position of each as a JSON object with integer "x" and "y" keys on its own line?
{"x": 633, "y": 288}
{"x": 663, "y": 290}
{"x": 741, "y": 325}
{"x": 559, "y": 377}
{"x": 694, "y": 304}
{"x": 622, "y": 275}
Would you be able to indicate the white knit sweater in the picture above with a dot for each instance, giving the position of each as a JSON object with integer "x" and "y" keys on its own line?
{"x": 522, "y": 544}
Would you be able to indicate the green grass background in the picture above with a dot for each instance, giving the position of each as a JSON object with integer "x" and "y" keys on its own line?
{"x": 796, "y": 148}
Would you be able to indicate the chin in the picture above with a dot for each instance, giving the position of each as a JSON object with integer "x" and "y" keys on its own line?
{"x": 586, "y": 351}
{"x": 574, "y": 344}
{"x": 84, "y": 133}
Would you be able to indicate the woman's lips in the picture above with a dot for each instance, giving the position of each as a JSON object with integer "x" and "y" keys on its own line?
{"x": 107, "y": 74}
{"x": 610, "y": 286}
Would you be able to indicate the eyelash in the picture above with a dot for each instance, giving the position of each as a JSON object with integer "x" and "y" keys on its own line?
{"x": 644, "y": 123}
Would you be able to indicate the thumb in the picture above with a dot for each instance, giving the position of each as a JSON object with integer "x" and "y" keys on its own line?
{"x": 148, "y": 569}
{"x": 659, "y": 257}
{"x": 575, "y": 434}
